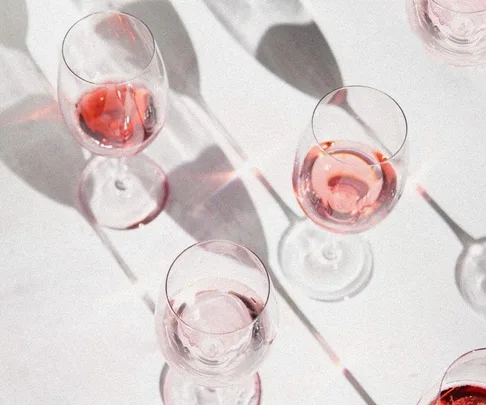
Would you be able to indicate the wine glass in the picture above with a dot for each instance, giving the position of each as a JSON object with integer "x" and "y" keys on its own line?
{"x": 463, "y": 383}
{"x": 215, "y": 321}
{"x": 112, "y": 90}
{"x": 349, "y": 172}
{"x": 454, "y": 30}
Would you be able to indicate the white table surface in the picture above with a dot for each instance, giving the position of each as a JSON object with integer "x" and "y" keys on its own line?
{"x": 73, "y": 327}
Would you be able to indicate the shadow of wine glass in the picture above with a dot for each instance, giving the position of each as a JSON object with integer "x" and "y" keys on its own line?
{"x": 283, "y": 38}
{"x": 470, "y": 274}
{"x": 37, "y": 147}
{"x": 35, "y": 144}
{"x": 174, "y": 42}
{"x": 470, "y": 271}
{"x": 210, "y": 201}
{"x": 208, "y": 198}
{"x": 13, "y": 29}
{"x": 300, "y": 55}
{"x": 162, "y": 379}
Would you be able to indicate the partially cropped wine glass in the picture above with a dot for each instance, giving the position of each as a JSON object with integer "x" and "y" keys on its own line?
{"x": 216, "y": 318}
{"x": 112, "y": 90}
{"x": 454, "y": 30}
{"x": 349, "y": 172}
{"x": 463, "y": 383}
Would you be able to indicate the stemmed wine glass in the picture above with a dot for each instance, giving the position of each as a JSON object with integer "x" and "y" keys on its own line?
{"x": 454, "y": 30}
{"x": 112, "y": 90}
{"x": 215, "y": 321}
{"x": 349, "y": 172}
{"x": 463, "y": 383}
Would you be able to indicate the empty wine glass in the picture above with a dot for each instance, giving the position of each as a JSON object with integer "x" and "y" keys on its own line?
{"x": 454, "y": 30}
{"x": 349, "y": 172}
{"x": 215, "y": 321}
{"x": 112, "y": 90}
{"x": 463, "y": 383}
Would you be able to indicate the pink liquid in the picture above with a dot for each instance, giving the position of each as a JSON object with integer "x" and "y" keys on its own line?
{"x": 117, "y": 117}
{"x": 219, "y": 334}
{"x": 345, "y": 186}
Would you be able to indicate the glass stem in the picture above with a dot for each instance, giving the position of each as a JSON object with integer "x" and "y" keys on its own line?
{"x": 206, "y": 395}
{"x": 329, "y": 250}
{"x": 121, "y": 174}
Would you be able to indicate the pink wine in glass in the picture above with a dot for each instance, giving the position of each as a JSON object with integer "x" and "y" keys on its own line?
{"x": 463, "y": 395}
{"x": 117, "y": 116}
{"x": 345, "y": 186}
{"x": 220, "y": 331}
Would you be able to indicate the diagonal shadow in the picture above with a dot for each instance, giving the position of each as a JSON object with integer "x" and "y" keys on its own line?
{"x": 210, "y": 201}
{"x": 36, "y": 146}
{"x": 13, "y": 28}
{"x": 34, "y": 142}
{"x": 284, "y": 39}
{"x": 176, "y": 47}
{"x": 471, "y": 264}
{"x": 301, "y": 56}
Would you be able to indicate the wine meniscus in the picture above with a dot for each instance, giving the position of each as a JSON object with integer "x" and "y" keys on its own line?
{"x": 345, "y": 186}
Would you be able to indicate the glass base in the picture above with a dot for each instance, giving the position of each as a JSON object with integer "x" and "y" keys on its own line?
{"x": 307, "y": 258}
{"x": 471, "y": 275}
{"x": 178, "y": 390}
{"x": 122, "y": 198}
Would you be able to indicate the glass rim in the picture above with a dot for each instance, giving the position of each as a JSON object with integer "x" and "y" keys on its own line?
{"x": 198, "y": 244}
{"x": 468, "y": 353}
{"x": 108, "y": 12}
{"x": 437, "y": 2}
{"x": 357, "y": 86}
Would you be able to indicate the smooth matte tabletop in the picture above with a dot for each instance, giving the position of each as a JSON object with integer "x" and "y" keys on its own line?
{"x": 76, "y": 301}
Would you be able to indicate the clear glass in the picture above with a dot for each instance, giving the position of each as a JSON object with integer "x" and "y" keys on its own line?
{"x": 349, "y": 172}
{"x": 112, "y": 91}
{"x": 216, "y": 318}
{"x": 463, "y": 383}
{"x": 454, "y": 30}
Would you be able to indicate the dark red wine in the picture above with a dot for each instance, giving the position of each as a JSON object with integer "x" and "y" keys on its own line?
{"x": 118, "y": 116}
{"x": 463, "y": 395}
{"x": 345, "y": 186}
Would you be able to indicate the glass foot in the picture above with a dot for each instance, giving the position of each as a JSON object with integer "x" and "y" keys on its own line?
{"x": 178, "y": 390}
{"x": 325, "y": 273}
{"x": 123, "y": 194}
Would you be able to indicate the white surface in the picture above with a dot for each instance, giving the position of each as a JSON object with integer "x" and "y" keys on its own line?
{"x": 74, "y": 330}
